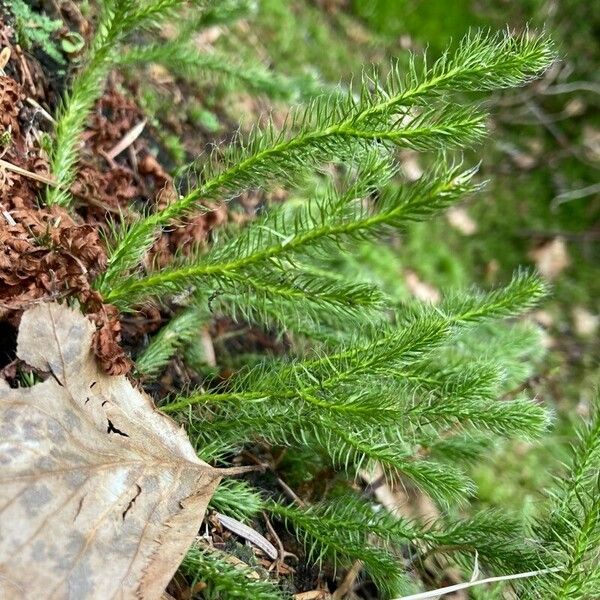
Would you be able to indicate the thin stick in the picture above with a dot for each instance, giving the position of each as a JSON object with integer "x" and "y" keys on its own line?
{"x": 348, "y": 583}
{"x": 7, "y": 215}
{"x": 275, "y": 537}
{"x": 41, "y": 178}
{"x": 463, "y": 586}
{"x": 41, "y": 110}
{"x": 128, "y": 139}
{"x": 25, "y": 69}
{"x": 249, "y": 534}
{"x": 290, "y": 492}
{"x": 574, "y": 195}
{"x": 572, "y": 86}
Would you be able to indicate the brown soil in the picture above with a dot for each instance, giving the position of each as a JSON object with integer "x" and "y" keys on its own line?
{"x": 48, "y": 252}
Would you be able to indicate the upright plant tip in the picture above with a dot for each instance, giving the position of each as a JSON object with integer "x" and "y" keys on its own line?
{"x": 118, "y": 19}
{"x": 411, "y": 109}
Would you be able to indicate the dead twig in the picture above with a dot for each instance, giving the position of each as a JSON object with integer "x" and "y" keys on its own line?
{"x": 283, "y": 553}
{"x": 289, "y": 492}
{"x": 584, "y": 192}
{"x": 572, "y": 86}
{"x": 25, "y": 70}
{"x": 41, "y": 110}
{"x": 249, "y": 534}
{"x": 35, "y": 176}
{"x": 7, "y": 216}
{"x": 348, "y": 582}
{"x": 128, "y": 139}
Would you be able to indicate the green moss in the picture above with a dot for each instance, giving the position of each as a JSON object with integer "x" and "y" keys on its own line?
{"x": 35, "y": 30}
{"x": 432, "y": 22}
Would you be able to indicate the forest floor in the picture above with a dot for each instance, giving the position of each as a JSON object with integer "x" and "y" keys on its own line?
{"x": 141, "y": 126}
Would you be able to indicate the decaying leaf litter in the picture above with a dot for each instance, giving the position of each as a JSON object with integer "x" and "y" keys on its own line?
{"x": 83, "y": 451}
{"x": 49, "y": 253}
{"x": 146, "y": 503}
{"x": 101, "y": 493}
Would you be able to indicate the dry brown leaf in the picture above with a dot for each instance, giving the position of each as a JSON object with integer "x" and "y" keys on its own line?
{"x": 543, "y": 318}
{"x": 420, "y": 289}
{"x": 313, "y": 595}
{"x": 585, "y": 322}
{"x": 100, "y": 493}
{"x": 411, "y": 165}
{"x": 401, "y": 499}
{"x": 459, "y": 218}
{"x": 591, "y": 142}
{"x": 551, "y": 258}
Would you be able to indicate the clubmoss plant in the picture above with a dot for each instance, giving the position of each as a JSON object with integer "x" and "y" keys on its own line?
{"x": 370, "y": 382}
